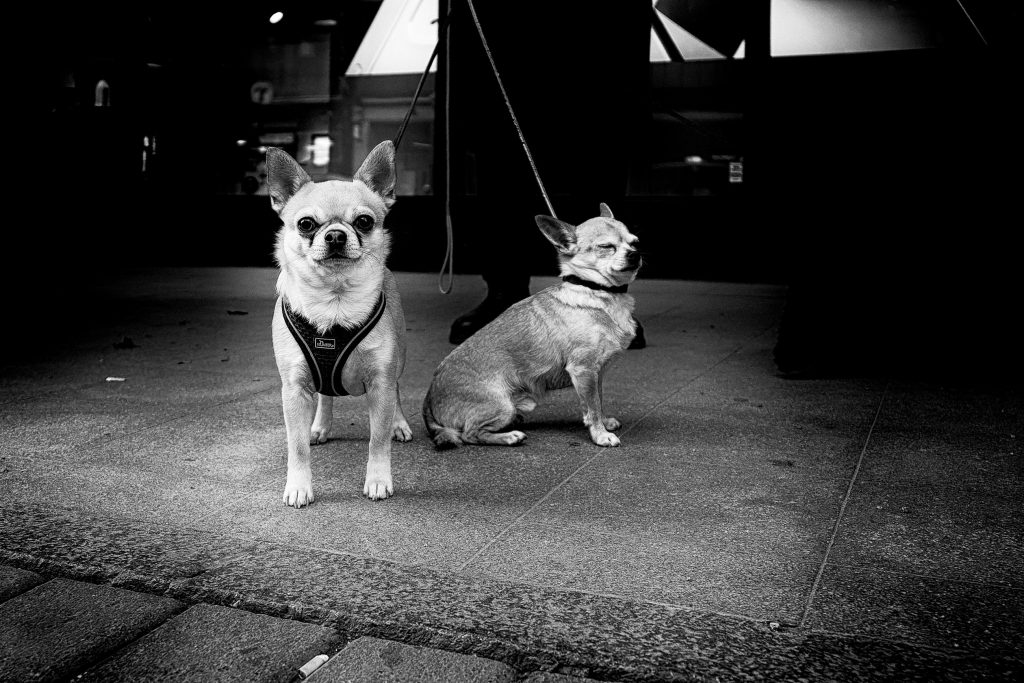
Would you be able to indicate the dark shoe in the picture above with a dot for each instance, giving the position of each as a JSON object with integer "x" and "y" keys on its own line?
{"x": 467, "y": 324}
{"x": 640, "y": 340}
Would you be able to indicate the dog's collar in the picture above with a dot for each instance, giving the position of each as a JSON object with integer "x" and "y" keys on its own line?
{"x": 574, "y": 280}
{"x": 326, "y": 353}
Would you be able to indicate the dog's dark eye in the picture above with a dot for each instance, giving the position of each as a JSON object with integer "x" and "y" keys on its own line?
{"x": 307, "y": 224}
{"x": 363, "y": 222}
{"x": 609, "y": 247}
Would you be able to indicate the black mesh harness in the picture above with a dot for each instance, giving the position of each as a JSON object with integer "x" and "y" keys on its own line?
{"x": 327, "y": 353}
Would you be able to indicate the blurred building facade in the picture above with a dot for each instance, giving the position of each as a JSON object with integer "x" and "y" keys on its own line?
{"x": 780, "y": 108}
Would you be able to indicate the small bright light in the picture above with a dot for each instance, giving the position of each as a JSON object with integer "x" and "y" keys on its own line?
{"x": 694, "y": 160}
{"x": 241, "y": 143}
{"x": 276, "y": 17}
{"x": 321, "y": 150}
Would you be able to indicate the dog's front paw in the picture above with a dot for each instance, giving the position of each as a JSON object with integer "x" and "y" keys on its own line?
{"x": 298, "y": 492}
{"x": 611, "y": 424}
{"x": 402, "y": 430}
{"x": 378, "y": 488}
{"x": 318, "y": 435}
{"x": 604, "y": 439}
{"x": 378, "y": 484}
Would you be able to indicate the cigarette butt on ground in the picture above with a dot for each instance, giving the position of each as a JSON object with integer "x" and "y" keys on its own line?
{"x": 312, "y": 665}
{"x": 115, "y": 379}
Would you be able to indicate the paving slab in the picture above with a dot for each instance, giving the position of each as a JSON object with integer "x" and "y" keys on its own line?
{"x": 943, "y": 435}
{"x": 184, "y": 382}
{"x": 211, "y": 643}
{"x": 674, "y": 571}
{"x": 57, "y": 425}
{"x": 99, "y": 413}
{"x": 964, "y": 532}
{"x": 14, "y": 581}
{"x": 372, "y": 659}
{"x": 722, "y": 508}
{"x": 57, "y": 629}
{"x": 447, "y": 505}
{"x": 205, "y": 449}
{"x": 111, "y": 490}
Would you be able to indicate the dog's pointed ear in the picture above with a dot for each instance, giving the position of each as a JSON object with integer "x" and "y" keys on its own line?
{"x": 378, "y": 171}
{"x": 606, "y": 212}
{"x": 559, "y": 233}
{"x": 284, "y": 177}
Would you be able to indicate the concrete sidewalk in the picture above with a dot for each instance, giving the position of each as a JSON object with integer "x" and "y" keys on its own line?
{"x": 750, "y": 527}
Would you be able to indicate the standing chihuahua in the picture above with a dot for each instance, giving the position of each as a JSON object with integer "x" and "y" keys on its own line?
{"x": 338, "y": 325}
{"x": 564, "y": 335}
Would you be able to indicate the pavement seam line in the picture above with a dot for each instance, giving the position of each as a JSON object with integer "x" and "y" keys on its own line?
{"x": 600, "y": 452}
{"x": 842, "y": 511}
{"x": 111, "y": 654}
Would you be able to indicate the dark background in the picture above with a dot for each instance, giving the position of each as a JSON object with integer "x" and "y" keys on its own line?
{"x": 878, "y": 186}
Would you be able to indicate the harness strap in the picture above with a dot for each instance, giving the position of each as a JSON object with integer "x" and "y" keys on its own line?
{"x": 326, "y": 354}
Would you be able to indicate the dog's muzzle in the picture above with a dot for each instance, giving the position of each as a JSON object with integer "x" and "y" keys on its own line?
{"x": 334, "y": 240}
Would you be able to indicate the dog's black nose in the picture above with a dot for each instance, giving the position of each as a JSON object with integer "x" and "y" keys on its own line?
{"x": 334, "y": 238}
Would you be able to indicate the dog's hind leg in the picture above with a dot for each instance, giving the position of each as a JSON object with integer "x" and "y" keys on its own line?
{"x": 321, "y": 428}
{"x": 400, "y": 426}
{"x": 513, "y": 438}
{"x": 485, "y": 428}
{"x": 524, "y": 404}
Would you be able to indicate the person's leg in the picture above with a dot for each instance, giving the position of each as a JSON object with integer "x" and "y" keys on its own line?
{"x": 504, "y": 288}
{"x": 578, "y": 87}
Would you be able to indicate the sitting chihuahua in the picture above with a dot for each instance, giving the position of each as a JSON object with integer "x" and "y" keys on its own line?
{"x": 564, "y": 335}
{"x": 338, "y": 326}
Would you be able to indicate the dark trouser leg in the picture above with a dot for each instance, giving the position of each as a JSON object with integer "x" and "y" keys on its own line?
{"x": 504, "y": 287}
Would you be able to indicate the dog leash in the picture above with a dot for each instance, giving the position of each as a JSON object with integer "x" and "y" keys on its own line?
{"x": 508, "y": 105}
{"x": 449, "y": 251}
{"x": 449, "y": 261}
{"x": 416, "y": 96}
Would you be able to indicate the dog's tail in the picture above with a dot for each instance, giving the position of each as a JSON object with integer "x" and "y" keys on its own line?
{"x": 444, "y": 438}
